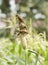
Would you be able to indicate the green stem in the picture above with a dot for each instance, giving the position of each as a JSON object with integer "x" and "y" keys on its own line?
{"x": 36, "y": 60}
{"x": 35, "y": 54}
{"x": 25, "y": 58}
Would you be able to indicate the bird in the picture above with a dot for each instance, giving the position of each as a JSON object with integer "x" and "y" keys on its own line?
{"x": 22, "y": 25}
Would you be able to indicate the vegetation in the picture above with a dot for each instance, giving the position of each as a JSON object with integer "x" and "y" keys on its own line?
{"x": 24, "y": 41}
{"x": 23, "y": 48}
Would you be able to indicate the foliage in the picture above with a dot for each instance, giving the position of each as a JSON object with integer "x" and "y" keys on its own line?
{"x": 12, "y": 51}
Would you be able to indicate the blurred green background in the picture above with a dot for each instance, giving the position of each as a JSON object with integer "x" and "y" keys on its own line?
{"x": 24, "y": 41}
{"x": 37, "y": 10}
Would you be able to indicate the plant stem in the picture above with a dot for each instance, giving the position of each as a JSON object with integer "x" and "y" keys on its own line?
{"x": 25, "y": 57}
{"x": 36, "y": 56}
{"x": 36, "y": 59}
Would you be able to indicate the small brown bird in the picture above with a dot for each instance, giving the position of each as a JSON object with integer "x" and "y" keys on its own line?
{"x": 22, "y": 25}
{"x": 20, "y": 19}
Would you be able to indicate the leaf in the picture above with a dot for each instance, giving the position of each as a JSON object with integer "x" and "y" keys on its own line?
{"x": 46, "y": 55}
{"x": 20, "y": 49}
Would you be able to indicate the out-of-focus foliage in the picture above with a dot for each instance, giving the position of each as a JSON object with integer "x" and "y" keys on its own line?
{"x": 18, "y": 48}
{"x": 12, "y": 51}
{"x": 44, "y": 7}
{"x": 5, "y": 6}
